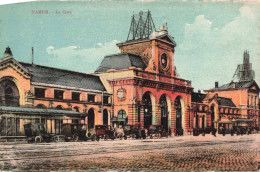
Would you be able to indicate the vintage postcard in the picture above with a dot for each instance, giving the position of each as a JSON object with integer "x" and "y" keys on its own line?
{"x": 140, "y": 85}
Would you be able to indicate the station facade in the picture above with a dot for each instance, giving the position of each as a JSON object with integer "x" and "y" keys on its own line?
{"x": 40, "y": 94}
{"x": 138, "y": 86}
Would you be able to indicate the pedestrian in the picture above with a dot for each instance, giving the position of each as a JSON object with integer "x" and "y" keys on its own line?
{"x": 232, "y": 131}
{"x": 203, "y": 131}
{"x": 224, "y": 131}
{"x": 238, "y": 131}
{"x": 214, "y": 132}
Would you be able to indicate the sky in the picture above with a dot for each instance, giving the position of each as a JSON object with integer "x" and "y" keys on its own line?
{"x": 211, "y": 36}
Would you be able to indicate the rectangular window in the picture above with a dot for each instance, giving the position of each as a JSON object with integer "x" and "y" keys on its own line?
{"x": 75, "y": 96}
{"x": 139, "y": 113}
{"x": 39, "y": 92}
{"x": 105, "y": 99}
{"x": 91, "y": 98}
{"x": 58, "y": 94}
{"x": 248, "y": 98}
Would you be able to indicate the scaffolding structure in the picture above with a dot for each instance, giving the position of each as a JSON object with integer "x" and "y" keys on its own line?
{"x": 143, "y": 28}
{"x": 244, "y": 71}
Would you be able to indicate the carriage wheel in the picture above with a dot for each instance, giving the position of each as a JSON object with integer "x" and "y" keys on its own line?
{"x": 38, "y": 139}
{"x": 29, "y": 141}
{"x": 125, "y": 137}
{"x": 93, "y": 138}
{"x": 75, "y": 137}
{"x": 55, "y": 138}
{"x": 97, "y": 138}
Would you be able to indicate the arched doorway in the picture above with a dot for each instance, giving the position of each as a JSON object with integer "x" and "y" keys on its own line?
{"x": 164, "y": 112}
{"x": 147, "y": 104}
{"x": 91, "y": 118}
{"x": 9, "y": 93}
{"x": 212, "y": 110}
{"x": 105, "y": 117}
{"x": 178, "y": 108}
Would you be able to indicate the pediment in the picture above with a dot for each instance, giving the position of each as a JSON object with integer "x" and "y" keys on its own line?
{"x": 166, "y": 38}
{"x": 10, "y": 62}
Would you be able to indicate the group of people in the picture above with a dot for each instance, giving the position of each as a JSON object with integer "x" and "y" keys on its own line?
{"x": 222, "y": 130}
{"x": 237, "y": 130}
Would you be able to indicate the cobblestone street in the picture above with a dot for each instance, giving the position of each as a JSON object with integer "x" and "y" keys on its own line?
{"x": 240, "y": 153}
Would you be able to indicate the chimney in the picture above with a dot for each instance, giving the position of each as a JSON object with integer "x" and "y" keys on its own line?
{"x": 32, "y": 56}
{"x": 216, "y": 84}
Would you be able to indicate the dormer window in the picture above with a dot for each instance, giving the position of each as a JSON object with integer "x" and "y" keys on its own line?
{"x": 75, "y": 96}
{"x": 105, "y": 99}
{"x": 39, "y": 92}
{"x": 58, "y": 94}
{"x": 91, "y": 98}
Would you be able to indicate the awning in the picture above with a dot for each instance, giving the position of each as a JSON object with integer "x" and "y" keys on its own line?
{"x": 115, "y": 119}
{"x": 225, "y": 122}
{"x": 244, "y": 120}
{"x": 11, "y": 109}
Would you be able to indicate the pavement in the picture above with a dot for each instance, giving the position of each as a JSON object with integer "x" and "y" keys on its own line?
{"x": 183, "y": 153}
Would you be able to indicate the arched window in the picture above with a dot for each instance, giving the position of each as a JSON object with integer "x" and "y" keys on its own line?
{"x": 76, "y": 108}
{"x": 41, "y": 106}
{"x": 59, "y": 107}
{"x": 122, "y": 117}
{"x": 121, "y": 114}
{"x": 9, "y": 93}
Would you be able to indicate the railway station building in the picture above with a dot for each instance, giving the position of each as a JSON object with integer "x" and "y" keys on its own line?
{"x": 138, "y": 86}
{"x": 40, "y": 94}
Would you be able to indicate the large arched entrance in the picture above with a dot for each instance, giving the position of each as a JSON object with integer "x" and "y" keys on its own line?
{"x": 147, "y": 104}
{"x": 164, "y": 112}
{"x": 178, "y": 109}
{"x": 91, "y": 118}
{"x": 105, "y": 117}
{"x": 9, "y": 93}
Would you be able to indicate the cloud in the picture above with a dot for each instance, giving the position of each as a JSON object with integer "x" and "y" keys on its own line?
{"x": 80, "y": 59}
{"x": 213, "y": 53}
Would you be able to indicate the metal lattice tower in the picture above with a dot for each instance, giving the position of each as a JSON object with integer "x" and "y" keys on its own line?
{"x": 143, "y": 28}
{"x": 244, "y": 71}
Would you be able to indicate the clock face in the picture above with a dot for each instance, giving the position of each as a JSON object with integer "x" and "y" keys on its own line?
{"x": 164, "y": 60}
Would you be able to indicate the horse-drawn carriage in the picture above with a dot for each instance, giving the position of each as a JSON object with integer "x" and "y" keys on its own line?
{"x": 132, "y": 131}
{"x": 105, "y": 132}
{"x": 35, "y": 132}
{"x": 157, "y": 131}
{"x": 74, "y": 132}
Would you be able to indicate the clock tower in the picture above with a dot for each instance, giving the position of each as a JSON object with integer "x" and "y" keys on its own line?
{"x": 156, "y": 51}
